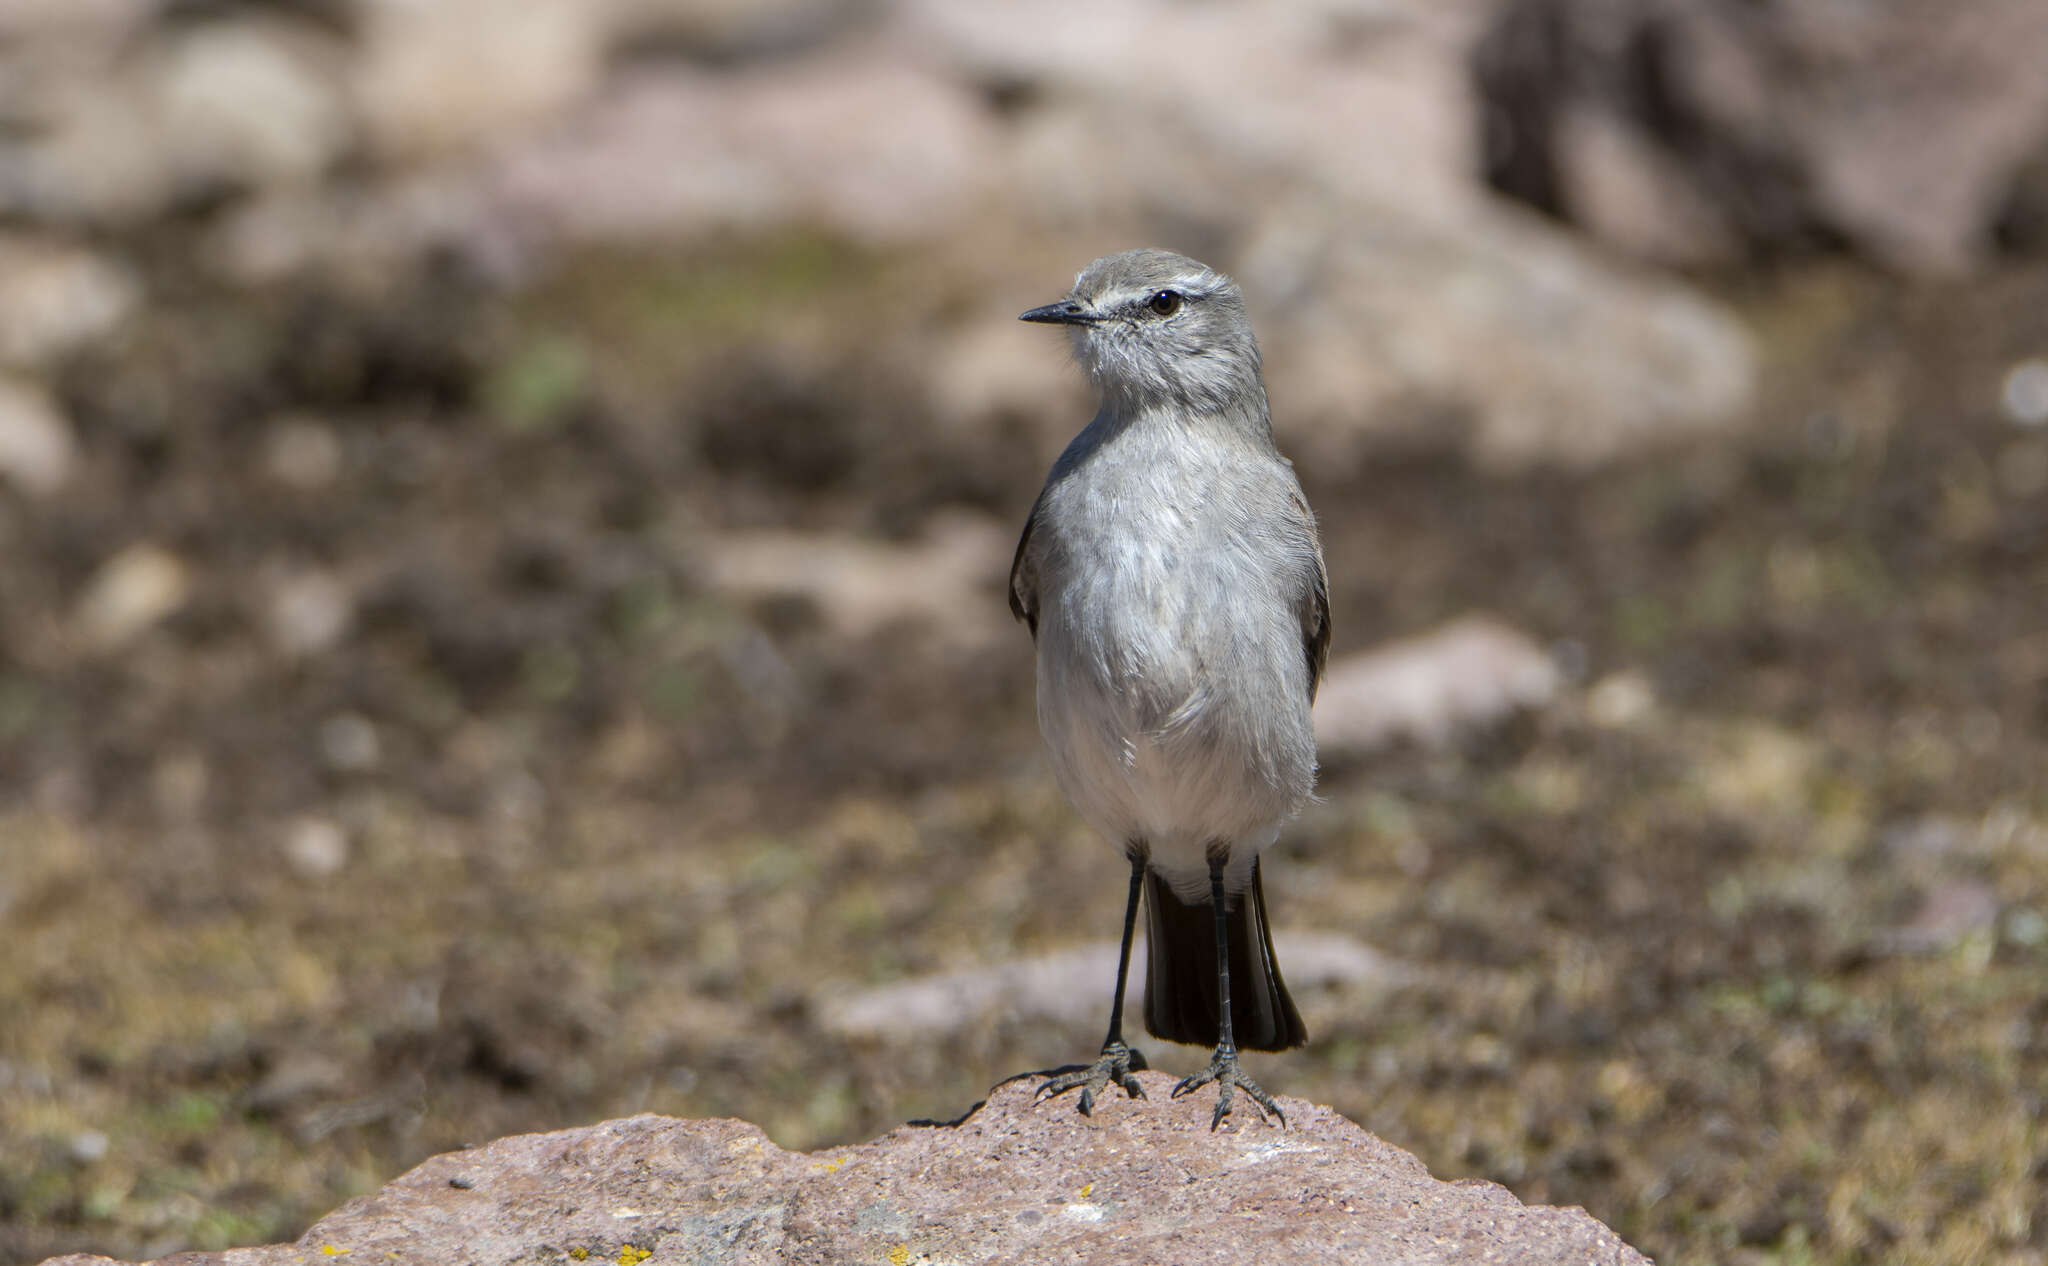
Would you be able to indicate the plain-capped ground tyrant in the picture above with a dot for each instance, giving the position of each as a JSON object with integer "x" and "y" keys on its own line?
{"x": 1173, "y": 581}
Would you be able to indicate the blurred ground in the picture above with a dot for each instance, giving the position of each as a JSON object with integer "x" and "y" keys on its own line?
{"x": 395, "y": 753}
{"x": 1740, "y": 944}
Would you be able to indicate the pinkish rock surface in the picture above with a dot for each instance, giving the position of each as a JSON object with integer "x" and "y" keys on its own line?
{"x": 1141, "y": 1181}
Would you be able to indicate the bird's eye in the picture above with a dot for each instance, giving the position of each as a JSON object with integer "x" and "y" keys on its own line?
{"x": 1165, "y": 303}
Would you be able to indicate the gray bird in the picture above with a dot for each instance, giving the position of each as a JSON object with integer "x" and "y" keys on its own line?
{"x": 1174, "y": 586}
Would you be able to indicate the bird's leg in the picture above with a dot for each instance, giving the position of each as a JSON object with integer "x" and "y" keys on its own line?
{"x": 1223, "y": 1069}
{"x": 1117, "y": 1061}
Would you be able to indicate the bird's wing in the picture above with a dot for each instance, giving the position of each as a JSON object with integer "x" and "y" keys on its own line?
{"x": 1024, "y": 576}
{"x": 1315, "y": 605}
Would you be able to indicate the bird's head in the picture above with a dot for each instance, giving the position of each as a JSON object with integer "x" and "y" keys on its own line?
{"x": 1153, "y": 328}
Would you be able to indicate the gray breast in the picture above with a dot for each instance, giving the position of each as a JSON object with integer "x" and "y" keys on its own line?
{"x": 1171, "y": 677}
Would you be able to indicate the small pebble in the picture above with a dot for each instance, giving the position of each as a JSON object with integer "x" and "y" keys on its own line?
{"x": 316, "y": 848}
{"x": 302, "y": 454}
{"x": 36, "y": 448}
{"x": 349, "y": 743}
{"x": 2025, "y": 398}
{"x": 56, "y": 298}
{"x": 2026, "y": 927}
{"x": 309, "y": 612}
{"x": 131, "y": 592}
{"x": 1620, "y": 700}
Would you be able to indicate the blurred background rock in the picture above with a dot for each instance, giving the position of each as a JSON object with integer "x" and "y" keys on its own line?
{"x": 503, "y": 514}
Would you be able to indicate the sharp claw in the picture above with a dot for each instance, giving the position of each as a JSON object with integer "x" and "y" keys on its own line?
{"x": 1114, "y": 1066}
{"x": 1223, "y": 1070}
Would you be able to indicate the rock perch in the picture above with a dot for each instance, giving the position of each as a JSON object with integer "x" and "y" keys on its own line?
{"x": 1141, "y": 1181}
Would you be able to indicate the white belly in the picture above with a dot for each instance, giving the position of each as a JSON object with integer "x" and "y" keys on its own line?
{"x": 1176, "y": 791}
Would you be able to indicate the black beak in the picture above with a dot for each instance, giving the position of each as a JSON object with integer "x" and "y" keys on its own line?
{"x": 1065, "y": 312}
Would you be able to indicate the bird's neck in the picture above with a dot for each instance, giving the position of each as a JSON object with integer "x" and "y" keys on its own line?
{"x": 1241, "y": 420}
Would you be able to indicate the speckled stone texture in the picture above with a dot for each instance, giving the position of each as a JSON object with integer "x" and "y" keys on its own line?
{"x": 1140, "y": 1182}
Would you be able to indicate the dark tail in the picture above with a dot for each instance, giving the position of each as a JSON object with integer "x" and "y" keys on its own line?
{"x": 1180, "y": 971}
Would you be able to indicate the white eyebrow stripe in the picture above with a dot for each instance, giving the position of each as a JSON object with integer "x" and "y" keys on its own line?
{"x": 1189, "y": 288}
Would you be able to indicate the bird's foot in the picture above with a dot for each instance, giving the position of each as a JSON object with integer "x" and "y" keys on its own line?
{"x": 1117, "y": 1064}
{"x": 1223, "y": 1070}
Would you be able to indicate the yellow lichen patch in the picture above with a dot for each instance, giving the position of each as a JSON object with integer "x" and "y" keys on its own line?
{"x": 1087, "y": 1190}
{"x": 900, "y": 1255}
{"x": 633, "y": 1254}
{"x": 579, "y": 1253}
{"x": 333, "y": 1251}
{"x": 832, "y": 1166}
